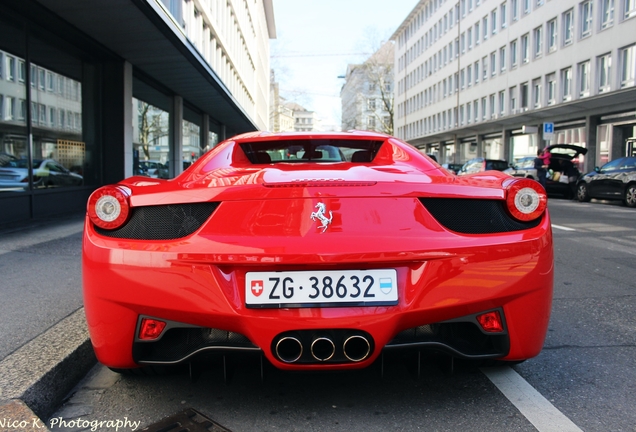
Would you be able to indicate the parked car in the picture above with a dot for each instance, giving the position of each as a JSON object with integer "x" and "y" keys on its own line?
{"x": 315, "y": 264}
{"x": 481, "y": 164}
{"x": 563, "y": 173}
{"x": 150, "y": 167}
{"x": 46, "y": 173}
{"x": 616, "y": 180}
{"x": 164, "y": 169}
{"x": 452, "y": 167}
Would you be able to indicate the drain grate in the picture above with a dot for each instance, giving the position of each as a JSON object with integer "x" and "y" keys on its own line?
{"x": 188, "y": 420}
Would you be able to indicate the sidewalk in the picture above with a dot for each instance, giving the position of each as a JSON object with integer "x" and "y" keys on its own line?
{"x": 44, "y": 346}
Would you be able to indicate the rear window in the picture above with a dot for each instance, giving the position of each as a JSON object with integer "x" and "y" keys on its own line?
{"x": 311, "y": 150}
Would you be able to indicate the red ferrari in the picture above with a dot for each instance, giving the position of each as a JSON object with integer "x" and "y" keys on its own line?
{"x": 317, "y": 251}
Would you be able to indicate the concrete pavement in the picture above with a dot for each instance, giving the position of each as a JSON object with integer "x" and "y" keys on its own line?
{"x": 44, "y": 345}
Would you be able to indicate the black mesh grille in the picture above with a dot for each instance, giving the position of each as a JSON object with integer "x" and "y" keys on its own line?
{"x": 461, "y": 338}
{"x": 472, "y": 216}
{"x": 164, "y": 222}
{"x": 178, "y": 343}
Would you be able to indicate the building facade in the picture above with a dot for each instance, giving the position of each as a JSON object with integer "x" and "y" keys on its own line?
{"x": 487, "y": 77}
{"x": 92, "y": 92}
{"x": 367, "y": 94}
{"x": 304, "y": 120}
{"x": 281, "y": 116}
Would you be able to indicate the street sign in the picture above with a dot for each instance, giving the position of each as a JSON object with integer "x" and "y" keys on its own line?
{"x": 548, "y": 131}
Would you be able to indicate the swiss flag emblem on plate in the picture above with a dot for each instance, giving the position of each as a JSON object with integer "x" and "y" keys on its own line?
{"x": 257, "y": 287}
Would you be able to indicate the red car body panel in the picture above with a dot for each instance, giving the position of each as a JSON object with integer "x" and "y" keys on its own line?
{"x": 263, "y": 224}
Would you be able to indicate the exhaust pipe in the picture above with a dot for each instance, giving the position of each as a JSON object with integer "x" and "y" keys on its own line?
{"x": 289, "y": 349}
{"x": 356, "y": 348}
{"x": 323, "y": 349}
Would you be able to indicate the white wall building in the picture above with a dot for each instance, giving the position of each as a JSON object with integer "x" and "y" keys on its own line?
{"x": 233, "y": 38}
{"x": 471, "y": 73}
{"x": 304, "y": 120}
{"x": 367, "y": 94}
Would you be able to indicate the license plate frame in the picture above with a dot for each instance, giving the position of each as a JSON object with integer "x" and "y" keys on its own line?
{"x": 321, "y": 288}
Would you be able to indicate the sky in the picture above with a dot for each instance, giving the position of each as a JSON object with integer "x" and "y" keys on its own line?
{"x": 317, "y": 39}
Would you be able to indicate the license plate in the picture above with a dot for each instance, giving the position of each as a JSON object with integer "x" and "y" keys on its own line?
{"x": 333, "y": 288}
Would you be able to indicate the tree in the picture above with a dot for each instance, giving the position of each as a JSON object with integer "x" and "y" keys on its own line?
{"x": 366, "y": 84}
{"x": 151, "y": 126}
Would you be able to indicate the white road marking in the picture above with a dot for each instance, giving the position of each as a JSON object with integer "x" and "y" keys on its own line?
{"x": 534, "y": 407}
{"x": 563, "y": 227}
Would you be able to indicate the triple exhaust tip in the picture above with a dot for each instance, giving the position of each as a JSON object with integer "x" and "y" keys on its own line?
{"x": 355, "y": 348}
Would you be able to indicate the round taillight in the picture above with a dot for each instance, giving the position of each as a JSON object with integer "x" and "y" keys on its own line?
{"x": 526, "y": 199}
{"x": 108, "y": 207}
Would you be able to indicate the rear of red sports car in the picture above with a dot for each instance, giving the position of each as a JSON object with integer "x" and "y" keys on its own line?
{"x": 318, "y": 251}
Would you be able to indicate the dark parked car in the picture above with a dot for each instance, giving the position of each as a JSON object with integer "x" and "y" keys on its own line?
{"x": 616, "y": 180}
{"x": 480, "y": 164}
{"x": 452, "y": 167}
{"x": 46, "y": 173}
{"x": 563, "y": 175}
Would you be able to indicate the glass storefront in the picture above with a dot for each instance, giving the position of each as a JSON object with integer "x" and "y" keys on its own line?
{"x": 49, "y": 151}
{"x": 492, "y": 148}
{"x": 575, "y": 136}
{"x": 151, "y": 137}
{"x": 524, "y": 146}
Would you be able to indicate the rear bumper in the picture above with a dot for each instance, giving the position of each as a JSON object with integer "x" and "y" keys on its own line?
{"x": 451, "y": 278}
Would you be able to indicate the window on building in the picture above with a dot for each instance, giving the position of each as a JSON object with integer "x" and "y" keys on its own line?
{"x": 10, "y": 69}
{"x": 566, "y": 84}
{"x": 502, "y": 103}
{"x": 41, "y": 78}
{"x": 476, "y": 71}
{"x": 584, "y": 79}
{"x": 550, "y": 89}
{"x": 21, "y": 71}
{"x": 536, "y": 93}
{"x": 502, "y": 58}
{"x": 525, "y": 48}
{"x": 512, "y": 97}
{"x": 503, "y": 12}
{"x": 552, "y": 35}
{"x": 477, "y": 34}
{"x": 484, "y": 26}
{"x": 540, "y": 3}
{"x": 538, "y": 41}
{"x": 469, "y": 75}
{"x": 492, "y": 105}
{"x": 604, "y": 65}
{"x": 484, "y": 111}
{"x": 607, "y": 13}
{"x": 629, "y": 9}
{"x": 371, "y": 104}
{"x": 371, "y": 122}
{"x": 484, "y": 67}
{"x": 493, "y": 63}
{"x": 568, "y": 27}
{"x": 513, "y": 54}
{"x": 493, "y": 21}
{"x": 514, "y": 9}
{"x": 469, "y": 36}
{"x": 476, "y": 110}
{"x": 469, "y": 112}
{"x": 628, "y": 66}
{"x": 526, "y": 6}
{"x": 523, "y": 96}
{"x": 586, "y": 18}
{"x": 10, "y": 105}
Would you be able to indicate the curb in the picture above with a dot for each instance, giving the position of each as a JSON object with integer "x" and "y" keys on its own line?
{"x": 39, "y": 375}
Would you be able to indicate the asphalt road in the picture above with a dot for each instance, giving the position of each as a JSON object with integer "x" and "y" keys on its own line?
{"x": 585, "y": 378}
